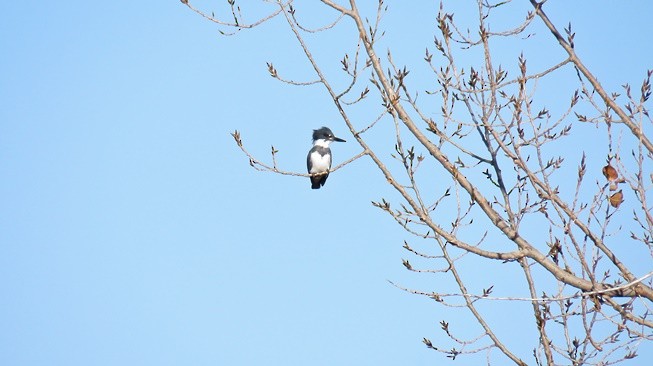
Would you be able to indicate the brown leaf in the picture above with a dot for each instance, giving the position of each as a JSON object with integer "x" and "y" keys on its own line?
{"x": 617, "y": 199}
{"x": 610, "y": 173}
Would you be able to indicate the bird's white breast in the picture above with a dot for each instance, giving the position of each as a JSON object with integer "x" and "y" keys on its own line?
{"x": 320, "y": 163}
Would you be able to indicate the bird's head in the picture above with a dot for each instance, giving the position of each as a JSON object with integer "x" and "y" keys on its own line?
{"x": 324, "y": 136}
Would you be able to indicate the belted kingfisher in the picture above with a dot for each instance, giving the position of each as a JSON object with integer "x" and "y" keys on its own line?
{"x": 319, "y": 157}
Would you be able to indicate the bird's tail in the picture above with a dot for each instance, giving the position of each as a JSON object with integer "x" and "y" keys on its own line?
{"x": 315, "y": 183}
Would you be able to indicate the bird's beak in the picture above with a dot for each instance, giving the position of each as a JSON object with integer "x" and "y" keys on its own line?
{"x": 338, "y": 139}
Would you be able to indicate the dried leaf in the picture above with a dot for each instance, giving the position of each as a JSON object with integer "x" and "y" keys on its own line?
{"x": 617, "y": 199}
{"x": 610, "y": 173}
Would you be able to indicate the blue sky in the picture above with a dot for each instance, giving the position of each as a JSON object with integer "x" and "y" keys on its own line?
{"x": 134, "y": 232}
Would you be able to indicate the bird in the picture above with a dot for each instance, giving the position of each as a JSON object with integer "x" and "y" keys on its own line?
{"x": 319, "y": 157}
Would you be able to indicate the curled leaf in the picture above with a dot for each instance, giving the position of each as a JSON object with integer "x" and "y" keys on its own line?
{"x": 616, "y": 199}
{"x": 610, "y": 173}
